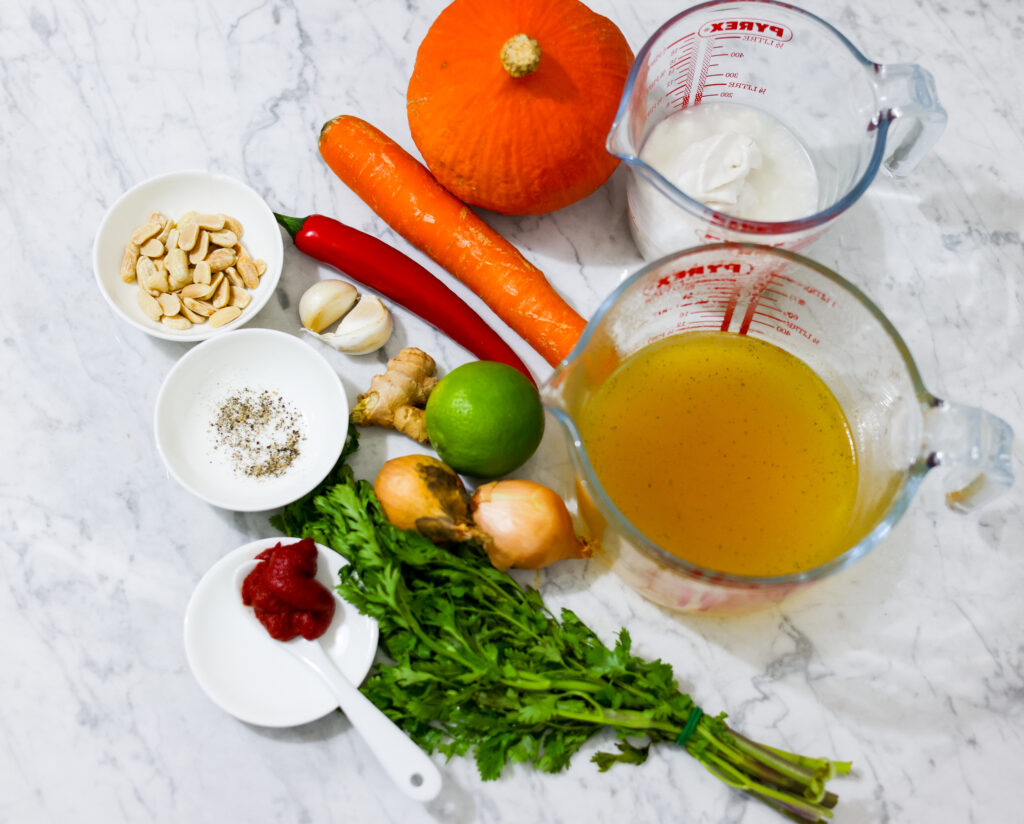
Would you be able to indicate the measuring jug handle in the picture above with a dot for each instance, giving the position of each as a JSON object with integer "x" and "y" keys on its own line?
{"x": 975, "y": 446}
{"x": 916, "y": 119}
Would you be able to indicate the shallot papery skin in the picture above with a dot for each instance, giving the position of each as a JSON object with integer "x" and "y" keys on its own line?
{"x": 422, "y": 493}
{"x": 526, "y": 524}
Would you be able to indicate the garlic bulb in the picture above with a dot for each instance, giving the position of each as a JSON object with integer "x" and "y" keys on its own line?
{"x": 324, "y": 302}
{"x": 363, "y": 330}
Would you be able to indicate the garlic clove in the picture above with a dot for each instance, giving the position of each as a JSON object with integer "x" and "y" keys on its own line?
{"x": 324, "y": 302}
{"x": 363, "y": 330}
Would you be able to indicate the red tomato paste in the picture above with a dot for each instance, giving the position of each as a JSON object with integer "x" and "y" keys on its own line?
{"x": 283, "y": 590}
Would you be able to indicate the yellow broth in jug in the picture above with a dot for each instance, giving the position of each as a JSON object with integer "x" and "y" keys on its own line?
{"x": 726, "y": 451}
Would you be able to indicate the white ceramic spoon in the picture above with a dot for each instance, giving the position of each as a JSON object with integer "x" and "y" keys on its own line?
{"x": 409, "y": 766}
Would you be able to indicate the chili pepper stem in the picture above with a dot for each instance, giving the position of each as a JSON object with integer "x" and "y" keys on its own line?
{"x": 292, "y": 225}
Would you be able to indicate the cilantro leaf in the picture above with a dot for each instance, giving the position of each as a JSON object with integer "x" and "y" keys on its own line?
{"x": 477, "y": 664}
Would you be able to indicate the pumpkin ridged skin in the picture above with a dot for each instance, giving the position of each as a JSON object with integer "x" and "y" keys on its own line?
{"x": 518, "y": 145}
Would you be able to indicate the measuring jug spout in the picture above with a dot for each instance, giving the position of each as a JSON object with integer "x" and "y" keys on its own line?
{"x": 553, "y": 390}
{"x": 976, "y": 448}
{"x": 619, "y": 142}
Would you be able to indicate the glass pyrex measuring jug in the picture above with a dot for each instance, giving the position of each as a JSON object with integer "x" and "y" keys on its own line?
{"x": 851, "y": 115}
{"x": 900, "y": 431}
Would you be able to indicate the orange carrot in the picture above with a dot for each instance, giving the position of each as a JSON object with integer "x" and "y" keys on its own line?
{"x": 405, "y": 194}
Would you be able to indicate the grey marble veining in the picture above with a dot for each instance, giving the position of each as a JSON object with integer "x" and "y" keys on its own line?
{"x": 910, "y": 664}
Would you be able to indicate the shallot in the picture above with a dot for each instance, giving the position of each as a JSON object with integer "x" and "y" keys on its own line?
{"x": 519, "y": 524}
{"x": 422, "y": 493}
{"x": 527, "y": 525}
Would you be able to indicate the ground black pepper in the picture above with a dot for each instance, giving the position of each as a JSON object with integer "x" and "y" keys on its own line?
{"x": 261, "y": 432}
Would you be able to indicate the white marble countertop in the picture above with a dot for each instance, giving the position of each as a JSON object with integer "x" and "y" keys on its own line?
{"x": 910, "y": 663}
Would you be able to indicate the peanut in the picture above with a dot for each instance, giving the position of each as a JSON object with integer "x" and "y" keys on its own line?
{"x": 240, "y": 297}
{"x": 191, "y": 270}
{"x": 165, "y": 233}
{"x": 247, "y": 269}
{"x": 177, "y": 269}
{"x": 225, "y": 315}
{"x": 129, "y": 262}
{"x": 202, "y": 273}
{"x": 223, "y": 293}
{"x": 233, "y": 225}
{"x": 169, "y": 304}
{"x": 188, "y": 234}
{"x": 198, "y": 291}
{"x": 176, "y": 322}
{"x": 145, "y": 232}
{"x": 200, "y": 307}
{"x": 152, "y": 248}
{"x": 213, "y": 223}
{"x": 149, "y": 304}
{"x": 221, "y": 259}
{"x": 201, "y": 248}
{"x": 224, "y": 238}
{"x": 192, "y": 316}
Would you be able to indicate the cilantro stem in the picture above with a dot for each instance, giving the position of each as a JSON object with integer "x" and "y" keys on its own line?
{"x": 625, "y": 719}
{"x": 734, "y": 777}
{"x": 480, "y": 665}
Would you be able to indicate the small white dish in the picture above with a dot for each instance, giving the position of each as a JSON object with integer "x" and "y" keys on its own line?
{"x": 250, "y": 675}
{"x": 174, "y": 194}
{"x": 255, "y": 360}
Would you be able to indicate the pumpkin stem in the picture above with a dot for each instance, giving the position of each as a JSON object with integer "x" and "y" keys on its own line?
{"x": 520, "y": 55}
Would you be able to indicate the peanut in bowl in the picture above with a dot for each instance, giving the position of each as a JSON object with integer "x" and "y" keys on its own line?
{"x": 185, "y": 255}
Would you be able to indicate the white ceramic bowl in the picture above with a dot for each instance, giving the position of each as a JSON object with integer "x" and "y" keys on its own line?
{"x": 174, "y": 194}
{"x": 250, "y": 675}
{"x": 256, "y": 359}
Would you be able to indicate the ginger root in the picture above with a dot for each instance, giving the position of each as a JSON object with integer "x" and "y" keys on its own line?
{"x": 395, "y": 400}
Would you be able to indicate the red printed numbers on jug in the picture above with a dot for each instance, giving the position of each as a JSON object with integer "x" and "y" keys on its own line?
{"x": 762, "y": 27}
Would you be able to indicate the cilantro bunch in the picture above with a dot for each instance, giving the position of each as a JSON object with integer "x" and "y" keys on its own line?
{"x": 479, "y": 665}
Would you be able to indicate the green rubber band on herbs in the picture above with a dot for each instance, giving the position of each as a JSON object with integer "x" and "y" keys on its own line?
{"x": 691, "y": 725}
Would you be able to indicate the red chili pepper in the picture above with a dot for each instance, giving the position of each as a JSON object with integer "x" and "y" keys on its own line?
{"x": 383, "y": 268}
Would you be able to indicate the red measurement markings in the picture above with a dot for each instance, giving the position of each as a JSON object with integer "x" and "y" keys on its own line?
{"x": 808, "y": 291}
{"x": 761, "y": 313}
{"x": 682, "y": 65}
{"x": 684, "y": 69}
{"x": 749, "y": 314}
{"x": 682, "y": 327}
{"x": 684, "y": 54}
{"x": 787, "y": 327}
{"x": 705, "y": 65}
{"x": 714, "y": 51}
{"x": 682, "y": 39}
{"x": 730, "y": 309}
{"x": 763, "y": 293}
{"x": 775, "y": 317}
{"x": 714, "y": 307}
{"x": 715, "y": 298}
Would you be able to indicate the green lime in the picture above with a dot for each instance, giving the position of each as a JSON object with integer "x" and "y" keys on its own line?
{"x": 484, "y": 419}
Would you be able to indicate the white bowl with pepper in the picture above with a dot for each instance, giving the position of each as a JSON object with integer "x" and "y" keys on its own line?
{"x": 251, "y": 420}
{"x": 186, "y": 255}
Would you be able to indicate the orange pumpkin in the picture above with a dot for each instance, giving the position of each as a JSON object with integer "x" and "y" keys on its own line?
{"x": 510, "y": 101}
